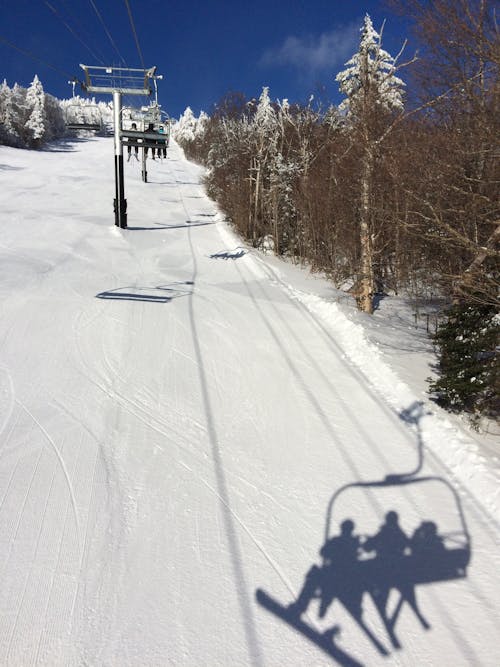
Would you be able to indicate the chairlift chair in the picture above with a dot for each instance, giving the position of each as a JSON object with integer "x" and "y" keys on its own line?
{"x": 74, "y": 120}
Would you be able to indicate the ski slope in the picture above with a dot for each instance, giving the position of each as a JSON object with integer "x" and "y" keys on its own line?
{"x": 176, "y": 414}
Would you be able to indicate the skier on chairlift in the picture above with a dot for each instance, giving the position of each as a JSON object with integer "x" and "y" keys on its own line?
{"x": 151, "y": 128}
{"x": 129, "y": 148}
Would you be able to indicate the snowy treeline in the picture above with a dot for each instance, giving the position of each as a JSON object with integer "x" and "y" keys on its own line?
{"x": 381, "y": 197}
{"x": 29, "y": 117}
{"x": 189, "y": 128}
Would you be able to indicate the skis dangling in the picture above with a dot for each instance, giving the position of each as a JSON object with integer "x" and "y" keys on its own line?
{"x": 324, "y": 640}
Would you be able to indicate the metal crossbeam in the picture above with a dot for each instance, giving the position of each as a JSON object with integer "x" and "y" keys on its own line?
{"x": 136, "y": 134}
{"x": 125, "y": 80}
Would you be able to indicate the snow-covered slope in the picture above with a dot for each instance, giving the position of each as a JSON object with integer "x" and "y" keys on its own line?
{"x": 176, "y": 416}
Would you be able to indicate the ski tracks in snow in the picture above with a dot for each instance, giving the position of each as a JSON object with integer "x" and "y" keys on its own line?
{"x": 184, "y": 454}
{"x": 7, "y": 398}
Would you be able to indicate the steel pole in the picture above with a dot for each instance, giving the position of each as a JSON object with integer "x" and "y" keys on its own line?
{"x": 120, "y": 203}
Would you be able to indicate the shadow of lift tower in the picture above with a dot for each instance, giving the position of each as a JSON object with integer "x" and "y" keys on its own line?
{"x": 118, "y": 81}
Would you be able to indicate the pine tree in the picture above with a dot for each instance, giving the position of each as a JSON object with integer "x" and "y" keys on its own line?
{"x": 264, "y": 120}
{"x": 35, "y": 103}
{"x": 469, "y": 360}
{"x": 370, "y": 80}
{"x": 55, "y": 125}
{"x": 184, "y": 129}
{"x": 201, "y": 125}
{"x": 8, "y": 132}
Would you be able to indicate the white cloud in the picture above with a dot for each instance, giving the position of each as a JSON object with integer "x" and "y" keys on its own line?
{"x": 313, "y": 53}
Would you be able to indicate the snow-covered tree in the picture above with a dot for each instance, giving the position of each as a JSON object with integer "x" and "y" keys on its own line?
{"x": 56, "y": 127}
{"x": 184, "y": 129}
{"x": 29, "y": 117}
{"x": 189, "y": 132}
{"x": 279, "y": 199}
{"x": 370, "y": 77}
{"x": 374, "y": 93}
{"x": 35, "y": 103}
{"x": 201, "y": 125}
{"x": 4, "y": 95}
{"x": 264, "y": 120}
{"x": 8, "y": 131}
{"x": 264, "y": 126}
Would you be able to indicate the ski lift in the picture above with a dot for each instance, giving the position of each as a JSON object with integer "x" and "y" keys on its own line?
{"x": 83, "y": 117}
{"x": 145, "y": 119}
{"x": 132, "y": 115}
{"x": 144, "y": 128}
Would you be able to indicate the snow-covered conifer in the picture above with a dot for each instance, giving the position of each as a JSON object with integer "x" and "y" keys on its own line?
{"x": 8, "y": 132}
{"x": 370, "y": 78}
{"x": 9, "y": 115}
{"x": 264, "y": 120}
{"x": 55, "y": 125}
{"x": 35, "y": 103}
{"x": 184, "y": 129}
{"x": 201, "y": 124}
{"x": 4, "y": 93}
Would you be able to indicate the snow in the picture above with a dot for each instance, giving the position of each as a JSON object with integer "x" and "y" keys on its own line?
{"x": 177, "y": 412}
{"x": 371, "y": 68}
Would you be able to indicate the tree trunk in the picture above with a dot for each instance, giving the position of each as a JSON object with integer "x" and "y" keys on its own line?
{"x": 367, "y": 281}
{"x": 257, "y": 200}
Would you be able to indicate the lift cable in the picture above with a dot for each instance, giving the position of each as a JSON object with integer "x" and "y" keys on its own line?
{"x": 107, "y": 32}
{"x": 139, "y": 51}
{"x": 135, "y": 33}
{"x": 28, "y": 54}
{"x": 81, "y": 29}
{"x": 54, "y": 10}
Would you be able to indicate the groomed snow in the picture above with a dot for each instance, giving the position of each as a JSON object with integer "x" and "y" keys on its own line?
{"x": 177, "y": 412}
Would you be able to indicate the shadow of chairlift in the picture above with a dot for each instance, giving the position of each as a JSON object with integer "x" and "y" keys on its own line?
{"x": 412, "y": 568}
{"x": 377, "y": 579}
{"x": 229, "y": 254}
{"x": 159, "y": 294}
{"x": 187, "y": 225}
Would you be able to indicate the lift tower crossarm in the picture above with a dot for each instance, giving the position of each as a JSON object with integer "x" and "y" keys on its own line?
{"x": 125, "y": 80}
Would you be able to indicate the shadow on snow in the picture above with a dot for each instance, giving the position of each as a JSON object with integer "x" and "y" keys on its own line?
{"x": 186, "y": 225}
{"x": 158, "y": 294}
{"x": 357, "y": 567}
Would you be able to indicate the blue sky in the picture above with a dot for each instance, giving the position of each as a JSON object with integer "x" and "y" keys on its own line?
{"x": 203, "y": 49}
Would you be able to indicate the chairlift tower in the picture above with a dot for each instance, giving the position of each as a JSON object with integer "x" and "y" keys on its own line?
{"x": 118, "y": 81}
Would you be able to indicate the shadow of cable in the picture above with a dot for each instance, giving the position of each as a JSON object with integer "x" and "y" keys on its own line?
{"x": 8, "y": 167}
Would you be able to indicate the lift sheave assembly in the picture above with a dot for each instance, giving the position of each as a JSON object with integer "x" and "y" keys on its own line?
{"x": 150, "y": 133}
